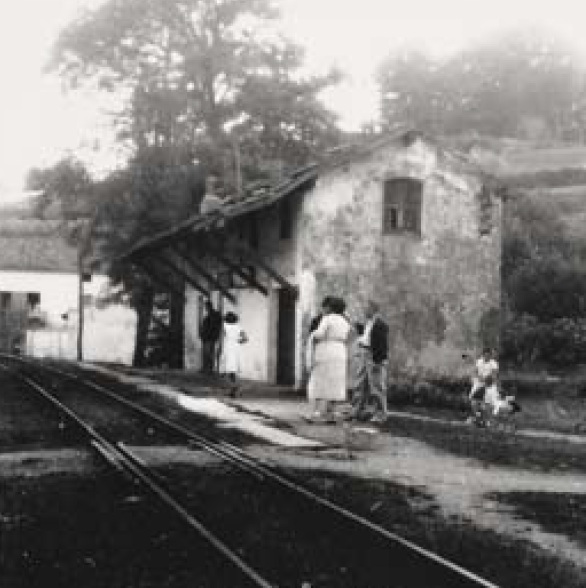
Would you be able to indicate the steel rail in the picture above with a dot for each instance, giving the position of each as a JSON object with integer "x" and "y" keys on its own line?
{"x": 122, "y": 459}
{"x": 210, "y": 446}
{"x": 235, "y": 454}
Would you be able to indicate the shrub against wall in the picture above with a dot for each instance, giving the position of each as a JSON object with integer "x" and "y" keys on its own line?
{"x": 544, "y": 281}
{"x": 451, "y": 393}
{"x": 560, "y": 342}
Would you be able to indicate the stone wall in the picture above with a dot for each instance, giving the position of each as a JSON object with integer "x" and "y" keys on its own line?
{"x": 440, "y": 291}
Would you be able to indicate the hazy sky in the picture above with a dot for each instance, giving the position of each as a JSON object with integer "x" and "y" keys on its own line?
{"x": 38, "y": 124}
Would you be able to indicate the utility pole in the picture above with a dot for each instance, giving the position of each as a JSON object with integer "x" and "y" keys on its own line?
{"x": 85, "y": 231}
{"x": 80, "y": 302}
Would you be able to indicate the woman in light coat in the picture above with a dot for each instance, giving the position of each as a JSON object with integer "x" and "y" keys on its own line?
{"x": 329, "y": 358}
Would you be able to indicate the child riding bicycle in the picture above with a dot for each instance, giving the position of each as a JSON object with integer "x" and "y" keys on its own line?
{"x": 489, "y": 404}
{"x": 484, "y": 392}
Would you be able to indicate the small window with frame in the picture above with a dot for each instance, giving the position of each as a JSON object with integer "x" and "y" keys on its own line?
{"x": 402, "y": 199}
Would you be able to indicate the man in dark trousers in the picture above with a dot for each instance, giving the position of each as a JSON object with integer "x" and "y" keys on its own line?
{"x": 209, "y": 333}
{"x": 371, "y": 374}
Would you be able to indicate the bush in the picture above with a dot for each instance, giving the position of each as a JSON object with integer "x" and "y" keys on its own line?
{"x": 434, "y": 393}
{"x": 559, "y": 343}
{"x": 549, "y": 288}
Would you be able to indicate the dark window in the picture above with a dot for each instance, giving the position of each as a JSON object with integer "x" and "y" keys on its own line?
{"x": 33, "y": 299}
{"x": 5, "y": 300}
{"x": 286, "y": 219}
{"x": 402, "y": 206}
{"x": 393, "y": 218}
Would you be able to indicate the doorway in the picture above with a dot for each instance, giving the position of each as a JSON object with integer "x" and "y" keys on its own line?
{"x": 286, "y": 338}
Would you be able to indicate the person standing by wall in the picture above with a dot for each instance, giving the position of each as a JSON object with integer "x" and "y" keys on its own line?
{"x": 209, "y": 333}
{"x": 327, "y": 381}
{"x": 371, "y": 372}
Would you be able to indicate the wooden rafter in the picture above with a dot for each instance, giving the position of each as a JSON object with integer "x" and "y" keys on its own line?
{"x": 155, "y": 276}
{"x": 219, "y": 254}
{"x": 258, "y": 260}
{"x": 197, "y": 268}
{"x": 178, "y": 270}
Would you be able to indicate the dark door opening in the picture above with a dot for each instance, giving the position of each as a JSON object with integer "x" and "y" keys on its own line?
{"x": 286, "y": 338}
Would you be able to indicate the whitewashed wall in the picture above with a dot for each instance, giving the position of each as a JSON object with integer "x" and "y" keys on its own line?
{"x": 109, "y": 333}
{"x": 254, "y": 312}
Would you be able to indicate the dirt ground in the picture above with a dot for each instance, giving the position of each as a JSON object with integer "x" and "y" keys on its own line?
{"x": 460, "y": 487}
{"x": 463, "y": 488}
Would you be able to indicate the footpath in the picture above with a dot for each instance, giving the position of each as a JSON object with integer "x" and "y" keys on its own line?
{"x": 262, "y": 407}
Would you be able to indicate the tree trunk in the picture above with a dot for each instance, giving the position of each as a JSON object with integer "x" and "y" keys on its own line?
{"x": 176, "y": 328}
{"x": 144, "y": 311}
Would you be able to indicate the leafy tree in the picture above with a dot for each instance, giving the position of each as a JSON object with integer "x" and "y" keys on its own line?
{"x": 67, "y": 195}
{"x": 532, "y": 230}
{"x": 155, "y": 190}
{"x": 196, "y": 70}
{"x": 544, "y": 285}
{"x": 409, "y": 91}
{"x": 510, "y": 85}
{"x": 205, "y": 83}
{"x": 66, "y": 190}
{"x": 549, "y": 288}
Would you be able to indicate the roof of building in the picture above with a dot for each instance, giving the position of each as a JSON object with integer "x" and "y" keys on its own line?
{"x": 256, "y": 197}
{"x": 35, "y": 245}
{"x": 261, "y": 195}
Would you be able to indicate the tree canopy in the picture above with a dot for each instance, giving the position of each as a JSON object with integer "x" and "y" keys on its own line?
{"x": 519, "y": 84}
{"x": 208, "y": 87}
{"x": 210, "y": 75}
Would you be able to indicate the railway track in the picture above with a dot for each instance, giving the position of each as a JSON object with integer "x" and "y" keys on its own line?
{"x": 272, "y": 529}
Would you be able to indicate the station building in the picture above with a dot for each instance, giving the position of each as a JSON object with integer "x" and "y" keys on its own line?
{"x": 399, "y": 219}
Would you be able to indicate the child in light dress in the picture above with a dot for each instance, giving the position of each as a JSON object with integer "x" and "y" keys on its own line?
{"x": 232, "y": 337}
{"x": 484, "y": 381}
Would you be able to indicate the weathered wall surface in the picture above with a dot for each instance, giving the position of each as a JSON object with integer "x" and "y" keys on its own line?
{"x": 438, "y": 290}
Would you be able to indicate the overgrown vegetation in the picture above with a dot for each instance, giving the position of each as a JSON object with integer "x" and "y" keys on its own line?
{"x": 544, "y": 286}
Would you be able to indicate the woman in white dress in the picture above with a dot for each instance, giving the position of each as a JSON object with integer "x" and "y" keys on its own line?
{"x": 232, "y": 337}
{"x": 328, "y": 379}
